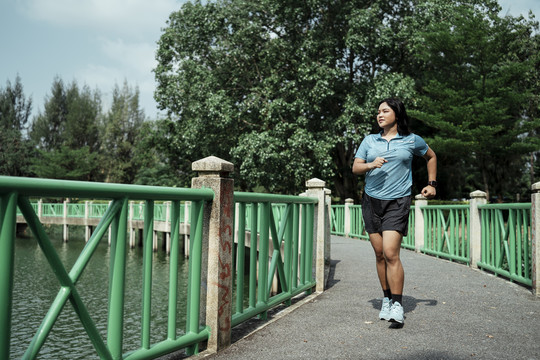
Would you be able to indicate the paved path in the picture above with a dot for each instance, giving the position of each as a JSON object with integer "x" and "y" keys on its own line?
{"x": 451, "y": 312}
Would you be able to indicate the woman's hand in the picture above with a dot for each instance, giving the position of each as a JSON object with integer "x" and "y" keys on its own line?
{"x": 429, "y": 192}
{"x": 378, "y": 163}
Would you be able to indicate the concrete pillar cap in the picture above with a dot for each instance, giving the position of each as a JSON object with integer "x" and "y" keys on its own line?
{"x": 315, "y": 183}
{"x": 212, "y": 166}
{"x": 535, "y": 187}
{"x": 420, "y": 197}
{"x": 349, "y": 201}
{"x": 478, "y": 194}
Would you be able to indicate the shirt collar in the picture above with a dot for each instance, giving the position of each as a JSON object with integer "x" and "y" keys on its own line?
{"x": 398, "y": 136}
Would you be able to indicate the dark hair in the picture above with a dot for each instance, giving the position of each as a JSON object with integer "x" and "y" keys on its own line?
{"x": 401, "y": 115}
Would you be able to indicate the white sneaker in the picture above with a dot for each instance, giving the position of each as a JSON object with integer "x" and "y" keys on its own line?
{"x": 396, "y": 313}
{"x": 384, "y": 314}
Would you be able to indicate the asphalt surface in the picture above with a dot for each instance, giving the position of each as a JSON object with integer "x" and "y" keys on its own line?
{"x": 451, "y": 312}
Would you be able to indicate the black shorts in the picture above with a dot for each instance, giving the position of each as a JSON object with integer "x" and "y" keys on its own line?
{"x": 382, "y": 215}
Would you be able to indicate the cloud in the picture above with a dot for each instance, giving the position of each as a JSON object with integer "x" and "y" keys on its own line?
{"x": 119, "y": 16}
{"x": 132, "y": 56}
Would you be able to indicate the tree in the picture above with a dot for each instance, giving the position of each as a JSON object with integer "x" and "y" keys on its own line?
{"x": 120, "y": 129}
{"x": 67, "y": 163}
{"x": 287, "y": 90}
{"x": 475, "y": 91}
{"x": 273, "y": 86}
{"x": 156, "y": 159}
{"x": 15, "y": 149}
{"x": 66, "y": 134}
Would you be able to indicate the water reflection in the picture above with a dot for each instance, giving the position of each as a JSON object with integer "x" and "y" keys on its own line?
{"x": 35, "y": 287}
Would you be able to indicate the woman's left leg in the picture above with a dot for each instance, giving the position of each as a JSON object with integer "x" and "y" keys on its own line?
{"x": 394, "y": 273}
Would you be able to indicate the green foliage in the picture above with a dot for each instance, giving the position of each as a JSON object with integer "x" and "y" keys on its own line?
{"x": 274, "y": 85}
{"x": 77, "y": 141}
{"x": 119, "y": 132}
{"x": 67, "y": 163}
{"x": 287, "y": 91}
{"x": 15, "y": 149}
{"x": 156, "y": 165}
{"x": 475, "y": 92}
{"x": 66, "y": 133}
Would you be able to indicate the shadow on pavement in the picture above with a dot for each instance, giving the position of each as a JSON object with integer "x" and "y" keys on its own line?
{"x": 409, "y": 303}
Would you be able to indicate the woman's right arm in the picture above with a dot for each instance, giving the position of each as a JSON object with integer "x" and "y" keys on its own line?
{"x": 361, "y": 167}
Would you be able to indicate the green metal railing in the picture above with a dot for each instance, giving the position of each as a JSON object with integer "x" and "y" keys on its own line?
{"x": 15, "y": 192}
{"x": 337, "y": 220}
{"x": 97, "y": 210}
{"x": 358, "y": 229}
{"x": 357, "y": 223}
{"x": 446, "y": 231}
{"x": 280, "y": 224}
{"x": 506, "y": 241}
{"x": 505, "y": 232}
{"x": 75, "y": 210}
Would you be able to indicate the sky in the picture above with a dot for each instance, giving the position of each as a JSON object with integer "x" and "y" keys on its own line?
{"x": 99, "y": 43}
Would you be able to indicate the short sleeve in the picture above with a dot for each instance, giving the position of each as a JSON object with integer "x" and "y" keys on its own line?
{"x": 420, "y": 146}
{"x": 362, "y": 151}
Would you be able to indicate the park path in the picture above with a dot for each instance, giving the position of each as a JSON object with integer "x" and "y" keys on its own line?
{"x": 451, "y": 312}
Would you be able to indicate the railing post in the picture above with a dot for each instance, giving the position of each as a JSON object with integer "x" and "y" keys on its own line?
{"x": 8, "y": 225}
{"x": 535, "y": 237}
{"x": 187, "y": 205}
{"x": 475, "y": 226}
{"x": 65, "y": 220}
{"x": 315, "y": 188}
{"x": 419, "y": 229}
{"x": 347, "y": 216}
{"x": 131, "y": 226}
{"x": 218, "y": 223}
{"x": 168, "y": 223}
{"x": 86, "y": 221}
{"x": 327, "y": 231}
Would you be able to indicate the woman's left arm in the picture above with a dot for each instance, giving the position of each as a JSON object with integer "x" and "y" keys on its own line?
{"x": 431, "y": 158}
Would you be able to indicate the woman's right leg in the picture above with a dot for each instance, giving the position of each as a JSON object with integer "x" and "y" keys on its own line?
{"x": 380, "y": 261}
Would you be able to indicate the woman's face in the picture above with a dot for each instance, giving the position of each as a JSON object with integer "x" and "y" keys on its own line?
{"x": 386, "y": 117}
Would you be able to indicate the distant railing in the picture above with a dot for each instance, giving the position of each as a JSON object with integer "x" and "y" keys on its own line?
{"x": 97, "y": 210}
{"x": 497, "y": 238}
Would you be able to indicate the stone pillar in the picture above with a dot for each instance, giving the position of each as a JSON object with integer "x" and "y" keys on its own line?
{"x": 327, "y": 233}
{"x": 535, "y": 237}
{"x": 214, "y": 174}
{"x": 168, "y": 226}
{"x": 40, "y": 208}
{"x": 475, "y": 227}
{"x": 347, "y": 216}
{"x": 186, "y": 227}
{"x": 315, "y": 188}
{"x": 87, "y": 233}
{"x": 131, "y": 226}
{"x": 65, "y": 220}
{"x": 419, "y": 222}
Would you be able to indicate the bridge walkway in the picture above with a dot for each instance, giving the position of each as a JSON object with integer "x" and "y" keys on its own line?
{"x": 451, "y": 312}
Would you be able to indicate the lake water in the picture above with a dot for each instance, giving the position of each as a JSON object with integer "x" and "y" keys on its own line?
{"x": 35, "y": 288}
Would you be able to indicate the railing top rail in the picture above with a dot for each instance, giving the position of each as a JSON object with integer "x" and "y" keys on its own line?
{"x": 444, "y": 207}
{"x": 514, "y": 206}
{"x": 85, "y": 189}
{"x": 273, "y": 198}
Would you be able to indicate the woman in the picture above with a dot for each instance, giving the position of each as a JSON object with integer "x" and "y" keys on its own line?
{"x": 386, "y": 160}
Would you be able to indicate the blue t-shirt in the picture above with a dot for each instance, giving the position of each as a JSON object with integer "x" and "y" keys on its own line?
{"x": 394, "y": 179}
